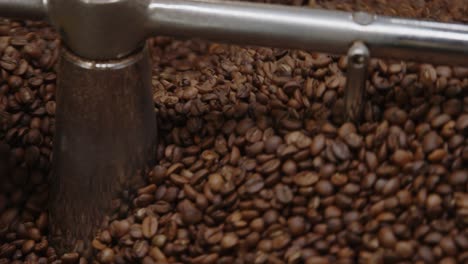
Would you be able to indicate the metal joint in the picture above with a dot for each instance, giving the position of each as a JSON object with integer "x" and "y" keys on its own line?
{"x": 358, "y": 62}
{"x": 100, "y": 29}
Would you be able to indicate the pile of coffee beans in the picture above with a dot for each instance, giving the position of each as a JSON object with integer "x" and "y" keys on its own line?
{"x": 28, "y": 53}
{"x": 256, "y": 163}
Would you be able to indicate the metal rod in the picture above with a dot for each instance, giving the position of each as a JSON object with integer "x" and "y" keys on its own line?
{"x": 358, "y": 61}
{"x": 27, "y": 9}
{"x": 105, "y": 133}
{"x": 309, "y": 29}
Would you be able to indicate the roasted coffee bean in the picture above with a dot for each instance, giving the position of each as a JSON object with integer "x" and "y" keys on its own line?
{"x": 229, "y": 240}
{"x": 386, "y": 237}
{"x": 189, "y": 212}
{"x": 150, "y": 226}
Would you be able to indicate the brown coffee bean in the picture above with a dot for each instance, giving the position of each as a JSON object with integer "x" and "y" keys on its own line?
{"x": 280, "y": 241}
{"x": 448, "y": 246}
{"x": 253, "y": 135}
{"x": 317, "y": 260}
{"x": 289, "y": 167}
{"x": 305, "y": 178}
{"x": 404, "y": 249}
{"x": 458, "y": 178}
{"x": 216, "y": 182}
{"x": 283, "y": 193}
{"x": 391, "y": 187}
{"x": 98, "y": 245}
{"x": 448, "y": 260}
{"x": 298, "y": 139}
{"x": 140, "y": 248}
{"x": 317, "y": 145}
{"x": 387, "y": 237}
{"x": 433, "y": 202}
{"x": 341, "y": 150}
{"x": 159, "y": 174}
{"x": 229, "y": 240}
{"x": 28, "y": 246}
{"x": 150, "y": 226}
{"x": 395, "y": 115}
{"x": 107, "y": 256}
{"x": 297, "y": 225}
{"x": 272, "y": 144}
{"x": 431, "y": 141}
{"x": 270, "y": 166}
{"x": 462, "y": 123}
{"x": 324, "y": 188}
{"x": 402, "y": 157}
{"x": 270, "y": 217}
{"x": 353, "y": 140}
{"x": 189, "y": 212}
{"x": 254, "y": 184}
{"x": 339, "y": 179}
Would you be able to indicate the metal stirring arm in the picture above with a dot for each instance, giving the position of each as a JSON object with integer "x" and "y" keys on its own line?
{"x": 109, "y": 29}
{"x": 310, "y": 29}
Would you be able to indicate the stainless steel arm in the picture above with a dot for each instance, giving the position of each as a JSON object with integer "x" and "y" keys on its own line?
{"x": 310, "y": 29}
{"x": 30, "y": 9}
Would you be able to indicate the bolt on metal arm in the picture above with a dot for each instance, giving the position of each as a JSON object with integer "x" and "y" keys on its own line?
{"x": 358, "y": 61}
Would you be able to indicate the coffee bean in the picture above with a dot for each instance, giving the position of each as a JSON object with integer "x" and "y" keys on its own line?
{"x": 462, "y": 123}
{"x": 289, "y": 167}
{"x": 272, "y": 144}
{"x": 431, "y": 141}
{"x": 353, "y": 140}
{"x": 458, "y": 178}
{"x": 189, "y": 212}
{"x": 216, "y": 182}
{"x": 318, "y": 143}
{"x": 298, "y": 139}
{"x": 402, "y": 157}
{"x": 280, "y": 241}
{"x": 297, "y": 225}
{"x": 324, "y": 188}
{"x": 387, "y": 237}
{"x": 140, "y": 248}
{"x": 448, "y": 246}
{"x": 305, "y": 178}
{"x": 391, "y": 187}
{"x": 283, "y": 193}
{"x": 270, "y": 166}
{"x": 107, "y": 255}
{"x": 150, "y": 226}
{"x": 396, "y": 115}
{"x": 404, "y": 249}
{"x": 433, "y": 202}
{"x": 159, "y": 174}
{"x": 229, "y": 240}
{"x": 341, "y": 150}
{"x": 70, "y": 257}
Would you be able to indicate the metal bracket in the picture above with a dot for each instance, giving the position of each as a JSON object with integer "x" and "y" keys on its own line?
{"x": 358, "y": 62}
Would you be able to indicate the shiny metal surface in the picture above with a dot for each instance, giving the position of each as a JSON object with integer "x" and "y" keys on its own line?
{"x": 358, "y": 62}
{"x": 109, "y": 29}
{"x": 309, "y": 29}
{"x": 105, "y": 133}
{"x": 30, "y": 9}
{"x": 100, "y": 29}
